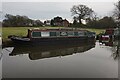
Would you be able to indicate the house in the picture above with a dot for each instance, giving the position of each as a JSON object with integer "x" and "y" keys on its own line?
{"x": 58, "y": 21}
{"x": 65, "y": 23}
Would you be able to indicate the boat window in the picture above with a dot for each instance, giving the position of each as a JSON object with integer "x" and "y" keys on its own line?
{"x": 58, "y": 33}
{"x": 45, "y": 34}
{"x": 63, "y": 34}
{"x": 52, "y": 33}
{"x": 36, "y": 34}
{"x": 75, "y": 33}
{"x": 81, "y": 33}
{"x": 70, "y": 34}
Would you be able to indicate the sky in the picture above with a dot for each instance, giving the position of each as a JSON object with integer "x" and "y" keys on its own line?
{"x": 45, "y": 10}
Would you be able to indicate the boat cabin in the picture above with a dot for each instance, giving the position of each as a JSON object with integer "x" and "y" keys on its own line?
{"x": 43, "y": 33}
{"x": 42, "y": 36}
{"x": 109, "y": 31}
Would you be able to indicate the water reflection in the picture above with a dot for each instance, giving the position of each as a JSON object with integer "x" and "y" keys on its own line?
{"x": 115, "y": 44}
{"x": 40, "y": 52}
{"x": 44, "y": 62}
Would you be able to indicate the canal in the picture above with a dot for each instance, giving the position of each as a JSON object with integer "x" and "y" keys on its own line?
{"x": 83, "y": 60}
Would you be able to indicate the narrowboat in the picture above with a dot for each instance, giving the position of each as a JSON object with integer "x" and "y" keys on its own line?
{"x": 110, "y": 34}
{"x": 62, "y": 36}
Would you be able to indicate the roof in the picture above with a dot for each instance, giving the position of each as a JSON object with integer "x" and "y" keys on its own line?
{"x": 60, "y": 29}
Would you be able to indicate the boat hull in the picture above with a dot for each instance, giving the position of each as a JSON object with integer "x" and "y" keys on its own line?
{"x": 57, "y": 40}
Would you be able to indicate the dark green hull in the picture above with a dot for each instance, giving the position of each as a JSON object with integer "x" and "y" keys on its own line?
{"x": 57, "y": 40}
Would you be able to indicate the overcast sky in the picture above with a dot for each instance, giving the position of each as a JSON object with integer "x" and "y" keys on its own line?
{"x": 48, "y": 10}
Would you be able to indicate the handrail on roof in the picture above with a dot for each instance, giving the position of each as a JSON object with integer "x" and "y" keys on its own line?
{"x": 67, "y": 29}
{"x": 56, "y": 28}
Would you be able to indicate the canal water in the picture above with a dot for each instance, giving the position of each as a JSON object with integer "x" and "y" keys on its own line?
{"x": 83, "y": 60}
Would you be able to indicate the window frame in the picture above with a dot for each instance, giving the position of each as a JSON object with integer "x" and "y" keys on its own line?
{"x": 35, "y": 36}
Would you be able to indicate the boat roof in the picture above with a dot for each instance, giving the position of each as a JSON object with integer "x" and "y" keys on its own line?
{"x": 60, "y": 29}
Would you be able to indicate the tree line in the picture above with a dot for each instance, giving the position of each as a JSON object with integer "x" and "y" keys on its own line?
{"x": 82, "y": 12}
{"x": 79, "y": 13}
{"x": 19, "y": 21}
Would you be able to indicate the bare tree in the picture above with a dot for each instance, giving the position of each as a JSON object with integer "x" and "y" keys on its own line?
{"x": 116, "y": 53}
{"x": 81, "y": 11}
{"x": 117, "y": 13}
